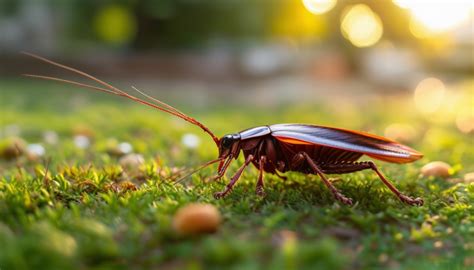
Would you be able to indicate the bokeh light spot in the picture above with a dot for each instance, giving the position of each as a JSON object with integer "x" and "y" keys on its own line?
{"x": 115, "y": 24}
{"x": 438, "y": 17}
{"x": 429, "y": 18}
{"x": 429, "y": 95}
{"x": 190, "y": 140}
{"x": 303, "y": 26}
{"x": 319, "y": 6}
{"x": 404, "y": 133}
{"x": 465, "y": 121}
{"x": 361, "y": 26}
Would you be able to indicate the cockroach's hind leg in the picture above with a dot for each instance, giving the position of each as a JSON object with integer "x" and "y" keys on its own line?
{"x": 404, "y": 198}
{"x": 340, "y": 197}
{"x": 337, "y": 194}
{"x": 365, "y": 165}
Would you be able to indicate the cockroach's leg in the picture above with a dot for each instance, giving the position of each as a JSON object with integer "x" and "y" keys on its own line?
{"x": 282, "y": 177}
{"x": 222, "y": 171}
{"x": 404, "y": 198}
{"x": 280, "y": 167}
{"x": 359, "y": 166}
{"x": 234, "y": 179}
{"x": 333, "y": 189}
{"x": 259, "y": 189}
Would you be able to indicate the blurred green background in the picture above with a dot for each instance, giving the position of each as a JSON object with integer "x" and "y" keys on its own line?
{"x": 402, "y": 69}
{"x": 273, "y": 54}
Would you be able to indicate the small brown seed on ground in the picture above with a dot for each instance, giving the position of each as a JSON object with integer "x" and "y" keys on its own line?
{"x": 12, "y": 148}
{"x": 196, "y": 218}
{"x": 131, "y": 162}
{"x": 437, "y": 169}
{"x": 469, "y": 178}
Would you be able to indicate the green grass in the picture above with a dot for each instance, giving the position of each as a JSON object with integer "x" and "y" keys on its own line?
{"x": 84, "y": 215}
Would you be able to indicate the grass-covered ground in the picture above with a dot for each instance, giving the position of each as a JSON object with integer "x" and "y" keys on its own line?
{"x": 76, "y": 208}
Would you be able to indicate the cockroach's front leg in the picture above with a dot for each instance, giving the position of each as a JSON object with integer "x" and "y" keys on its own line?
{"x": 222, "y": 169}
{"x": 339, "y": 196}
{"x": 259, "y": 189}
{"x": 234, "y": 179}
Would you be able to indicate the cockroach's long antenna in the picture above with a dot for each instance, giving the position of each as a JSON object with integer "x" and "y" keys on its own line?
{"x": 69, "y": 82}
{"x": 113, "y": 90}
{"x": 196, "y": 170}
{"x": 157, "y": 100}
{"x": 85, "y": 86}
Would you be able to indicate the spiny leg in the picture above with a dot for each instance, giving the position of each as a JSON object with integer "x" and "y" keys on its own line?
{"x": 234, "y": 179}
{"x": 259, "y": 190}
{"x": 331, "y": 187}
{"x": 359, "y": 166}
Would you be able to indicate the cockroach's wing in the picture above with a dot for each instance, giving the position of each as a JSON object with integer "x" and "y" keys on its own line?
{"x": 355, "y": 141}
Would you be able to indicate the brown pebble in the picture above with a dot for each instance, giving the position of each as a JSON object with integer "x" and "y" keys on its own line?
{"x": 82, "y": 130}
{"x": 114, "y": 148}
{"x": 114, "y": 151}
{"x": 131, "y": 162}
{"x": 196, "y": 218}
{"x": 469, "y": 178}
{"x": 437, "y": 169}
{"x": 469, "y": 261}
{"x": 13, "y": 148}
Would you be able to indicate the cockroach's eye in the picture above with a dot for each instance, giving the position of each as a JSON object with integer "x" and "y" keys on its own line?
{"x": 228, "y": 140}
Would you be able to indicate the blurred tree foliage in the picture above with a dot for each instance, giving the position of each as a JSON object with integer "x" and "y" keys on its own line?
{"x": 146, "y": 24}
{"x": 171, "y": 23}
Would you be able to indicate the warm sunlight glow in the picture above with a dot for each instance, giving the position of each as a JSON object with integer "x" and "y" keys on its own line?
{"x": 319, "y": 6}
{"x": 402, "y": 3}
{"x": 304, "y": 25}
{"x": 429, "y": 95}
{"x": 361, "y": 26}
{"x": 400, "y": 132}
{"x": 434, "y": 17}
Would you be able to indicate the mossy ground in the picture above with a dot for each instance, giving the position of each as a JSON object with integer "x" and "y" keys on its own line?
{"x": 87, "y": 213}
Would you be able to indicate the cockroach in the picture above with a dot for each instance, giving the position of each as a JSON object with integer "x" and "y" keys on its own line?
{"x": 280, "y": 148}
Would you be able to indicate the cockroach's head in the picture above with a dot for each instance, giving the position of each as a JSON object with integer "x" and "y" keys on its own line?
{"x": 228, "y": 144}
